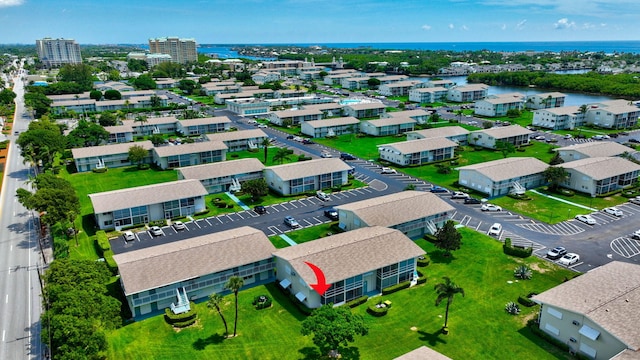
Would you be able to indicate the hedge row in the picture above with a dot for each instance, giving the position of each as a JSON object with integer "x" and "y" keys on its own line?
{"x": 516, "y": 251}
{"x": 358, "y": 301}
{"x": 397, "y": 287}
{"x": 108, "y": 259}
{"x": 103, "y": 241}
{"x": 376, "y": 311}
{"x": 526, "y": 301}
{"x": 181, "y": 320}
{"x": 302, "y": 307}
{"x": 424, "y": 262}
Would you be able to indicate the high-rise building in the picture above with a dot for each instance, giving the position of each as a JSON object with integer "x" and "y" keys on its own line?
{"x": 180, "y": 50}
{"x": 56, "y": 52}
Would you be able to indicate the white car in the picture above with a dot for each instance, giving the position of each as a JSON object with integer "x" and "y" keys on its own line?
{"x": 613, "y": 211}
{"x": 636, "y": 235}
{"x": 569, "y": 259}
{"x": 567, "y": 137}
{"x": 490, "y": 207}
{"x": 495, "y": 229}
{"x": 128, "y": 236}
{"x": 322, "y": 196}
{"x": 587, "y": 219}
{"x": 326, "y": 155}
{"x": 386, "y": 170}
{"x": 597, "y": 137}
{"x": 155, "y": 231}
{"x": 459, "y": 195}
{"x": 263, "y": 126}
{"x": 635, "y": 200}
{"x": 179, "y": 225}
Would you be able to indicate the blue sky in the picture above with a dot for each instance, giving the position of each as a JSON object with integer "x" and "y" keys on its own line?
{"x": 319, "y": 21}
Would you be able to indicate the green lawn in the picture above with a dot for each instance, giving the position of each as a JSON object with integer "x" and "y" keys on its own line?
{"x": 479, "y": 326}
{"x": 540, "y": 208}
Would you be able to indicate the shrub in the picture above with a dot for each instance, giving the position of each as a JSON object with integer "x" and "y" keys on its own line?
{"x": 526, "y": 301}
{"x": 100, "y": 170}
{"x": 516, "y": 251}
{"x": 261, "y": 302}
{"x": 391, "y": 289}
{"x": 358, "y": 301}
{"x": 103, "y": 241}
{"x": 181, "y": 320}
{"x": 111, "y": 264}
{"x": 522, "y": 272}
{"x": 377, "y": 311}
{"x": 234, "y": 155}
{"x": 160, "y": 223}
{"x": 221, "y": 204}
{"x": 144, "y": 166}
{"x": 423, "y": 260}
{"x": 512, "y": 308}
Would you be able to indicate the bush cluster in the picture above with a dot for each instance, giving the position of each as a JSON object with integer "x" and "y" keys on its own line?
{"x": 181, "y": 320}
{"x": 424, "y": 261}
{"x": 302, "y": 307}
{"x": 391, "y": 289}
{"x": 516, "y": 251}
{"x": 261, "y": 304}
{"x": 106, "y": 252}
{"x": 533, "y": 326}
{"x": 357, "y": 301}
{"x": 376, "y": 311}
{"x": 99, "y": 170}
{"x": 160, "y": 223}
{"x": 526, "y": 301}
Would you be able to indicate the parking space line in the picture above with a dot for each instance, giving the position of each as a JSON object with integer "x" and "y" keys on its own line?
{"x": 276, "y": 231}
{"x": 292, "y": 204}
{"x": 310, "y": 224}
{"x": 220, "y": 220}
{"x": 239, "y": 215}
{"x": 282, "y": 204}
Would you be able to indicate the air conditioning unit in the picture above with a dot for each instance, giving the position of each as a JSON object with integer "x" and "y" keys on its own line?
{"x": 573, "y": 340}
{"x": 576, "y": 322}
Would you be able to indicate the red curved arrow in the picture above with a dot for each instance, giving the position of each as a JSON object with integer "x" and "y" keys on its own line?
{"x": 321, "y": 287}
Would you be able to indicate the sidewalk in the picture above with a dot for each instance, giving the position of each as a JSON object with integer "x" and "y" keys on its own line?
{"x": 563, "y": 200}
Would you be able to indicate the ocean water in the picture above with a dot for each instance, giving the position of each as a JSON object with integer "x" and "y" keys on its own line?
{"x": 607, "y": 47}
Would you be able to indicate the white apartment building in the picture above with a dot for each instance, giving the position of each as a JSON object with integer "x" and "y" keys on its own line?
{"x": 57, "y": 52}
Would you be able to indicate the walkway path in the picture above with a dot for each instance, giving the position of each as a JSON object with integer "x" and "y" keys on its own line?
{"x": 563, "y": 200}
{"x": 238, "y": 201}
{"x": 288, "y": 239}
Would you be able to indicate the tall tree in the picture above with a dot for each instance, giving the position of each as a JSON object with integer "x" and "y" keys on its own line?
{"x": 505, "y": 148}
{"x": 87, "y": 133}
{"x": 555, "y": 175}
{"x": 257, "y": 188}
{"x": 234, "y": 284}
{"x": 43, "y": 141}
{"x": 216, "y": 301}
{"x": 265, "y": 146}
{"x": 332, "y": 327}
{"x": 107, "y": 118}
{"x": 446, "y": 291}
{"x": 448, "y": 238}
{"x": 281, "y": 155}
{"x": 137, "y": 154}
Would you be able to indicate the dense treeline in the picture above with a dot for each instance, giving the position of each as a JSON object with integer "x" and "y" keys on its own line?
{"x": 78, "y": 309}
{"x": 621, "y": 85}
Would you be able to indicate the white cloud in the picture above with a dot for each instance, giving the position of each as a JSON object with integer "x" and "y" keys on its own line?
{"x": 520, "y": 25}
{"x": 7, "y": 3}
{"x": 451, "y": 26}
{"x": 592, "y": 8}
{"x": 504, "y": 27}
{"x": 564, "y": 23}
{"x": 426, "y": 27}
{"x": 465, "y": 28}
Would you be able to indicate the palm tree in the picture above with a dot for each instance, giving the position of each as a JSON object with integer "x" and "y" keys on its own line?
{"x": 215, "y": 301}
{"x": 281, "y": 155}
{"x": 447, "y": 290}
{"x": 265, "y": 145}
{"x": 234, "y": 284}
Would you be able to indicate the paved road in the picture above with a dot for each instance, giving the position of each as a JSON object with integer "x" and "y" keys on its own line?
{"x": 19, "y": 258}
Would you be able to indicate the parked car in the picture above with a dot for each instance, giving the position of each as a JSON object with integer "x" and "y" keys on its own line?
{"x": 539, "y": 138}
{"x": 569, "y": 259}
{"x": 567, "y": 137}
{"x": 459, "y": 195}
{"x": 633, "y": 140}
{"x": 331, "y": 214}
{"x": 495, "y": 229}
{"x": 636, "y": 235}
{"x": 179, "y": 225}
{"x": 613, "y": 135}
{"x": 623, "y": 133}
{"x": 322, "y": 195}
{"x": 470, "y": 201}
{"x": 128, "y": 236}
{"x": 490, "y": 207}
{"x": 307, "y": 142}
{"x": 290, "y": 137}
{"x": 346, "y": 156}
{"x": 597, "y": 137}
{"x": 259, "y": 209}
{"x": 291, "y": 222}
{"x": 613, "y": 211}
{"x": 587, "y": 219}
{"x": 326, "y": 155}
{"x": 635, "y": 200}
{"x": 438, "y": 189}
{"x": 155, "y": 231}
{"x": 556, "y": 253}
{"x": 263, "y": 126}
{"x": 386, "y": 170}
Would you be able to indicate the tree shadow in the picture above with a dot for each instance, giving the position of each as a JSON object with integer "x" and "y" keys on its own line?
{"x": 89, "y": 224}
{"x": 432, "y": 338}
{"x": 440, "y": 257}
{"x": 201, "y": 343}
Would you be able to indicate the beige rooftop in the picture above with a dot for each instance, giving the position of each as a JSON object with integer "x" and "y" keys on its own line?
{"x": 221, "y": 169}
{"x": 293, "y": 113}
{"x": 599, "y": 168}
{"x": 177, "y": 261}
{"x": 349, "y": 120}
{"x": 145, "y": 195}
{"x": 237, "y": 135}
{"x": 415, "y": 146}
{"x": 205, "y": 121}
{"x": 598, "y": 148}
{"x": 398, "y": 208}
{"x": 351, "y": 253}
{"x": 609, "y": 295}
{"x": 408, "y": 113}
{"x": 314, "y": 167}
{"x": 509, "y": 168}
{"x": 110, "y": 149}
{"x": 501, "y": 132}
{"x": 366, "y": 106}
{"x": 422, "y": 353}
{"x": 391, "y": 121}
{"x": 444, "y": 131}
{"x": 182, "y": 149}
